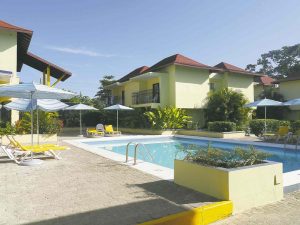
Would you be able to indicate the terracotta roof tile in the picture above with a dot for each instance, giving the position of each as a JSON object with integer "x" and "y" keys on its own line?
{"x": 8, "y": 26}
{"x": 134, "y": 73}
{"x": 177, "y": 59}
{"x": 227, "y": 66}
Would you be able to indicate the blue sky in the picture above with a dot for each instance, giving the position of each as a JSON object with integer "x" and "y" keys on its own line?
{"x": 93, "y": 38}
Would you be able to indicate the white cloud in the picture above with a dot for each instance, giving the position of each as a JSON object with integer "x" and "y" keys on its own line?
{"x": 79, "y": 51}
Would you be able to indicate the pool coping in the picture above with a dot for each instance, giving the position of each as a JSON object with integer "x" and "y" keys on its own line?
{"x": 291, "y": 180}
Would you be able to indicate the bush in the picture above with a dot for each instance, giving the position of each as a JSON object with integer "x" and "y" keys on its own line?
{"x": 257, "y": 126}
{"x": 295, "y": 126}
{"x": 221, "y": 126}
{"x": 211, "y": 156}
{"x": 167, "y": 118}
{"x": 227, "y": 105}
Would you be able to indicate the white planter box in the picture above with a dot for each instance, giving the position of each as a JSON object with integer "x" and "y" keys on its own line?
{"x": 246, "y": 187}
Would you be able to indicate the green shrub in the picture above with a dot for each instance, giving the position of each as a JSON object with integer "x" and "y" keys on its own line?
{"x": 227, "y": 105}
{"x": 48, "y": 123}
{"x": 295, "y": 126}
{"x": 257, "y": 126}
{"x": 211, "y": 156}
{"x": 221, "y": 126}
{"x": 167, "y": 118}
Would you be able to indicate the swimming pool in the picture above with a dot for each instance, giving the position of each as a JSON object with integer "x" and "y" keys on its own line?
{"x": 163, "y": 150}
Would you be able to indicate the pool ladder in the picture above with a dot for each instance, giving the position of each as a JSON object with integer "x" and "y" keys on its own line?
{"x": 136, "y": 145}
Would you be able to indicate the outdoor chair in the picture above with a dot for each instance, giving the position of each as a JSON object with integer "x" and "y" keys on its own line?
{"x": 94, "y": 132}
{"x": 109, "y": 130}
{"x": 47, "y": 148}
{"x": 281, "y": 134}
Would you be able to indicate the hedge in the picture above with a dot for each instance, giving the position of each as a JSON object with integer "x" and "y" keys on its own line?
{"x": 295, "y": 126}
{"x": 221, "y": 126}
{"x": 257, "y": 126}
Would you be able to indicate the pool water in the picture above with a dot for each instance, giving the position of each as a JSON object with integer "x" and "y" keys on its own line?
{"x": 163, "y": 150}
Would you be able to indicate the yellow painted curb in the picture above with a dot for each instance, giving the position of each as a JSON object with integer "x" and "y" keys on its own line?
{"x": 199, "y": 216}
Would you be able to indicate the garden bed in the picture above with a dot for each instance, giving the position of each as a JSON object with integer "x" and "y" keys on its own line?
{"x": 247, "y": 187}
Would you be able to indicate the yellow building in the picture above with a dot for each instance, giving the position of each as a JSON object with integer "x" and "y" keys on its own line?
{"x": 181, "y": 82}
{"x": 14, "y": 44}
{"x": 289, "y": 88}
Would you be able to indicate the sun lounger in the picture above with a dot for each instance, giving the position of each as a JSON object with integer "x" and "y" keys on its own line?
{"x": 109, "y": 130}
{"x": 280, "y": 134}
{"x": 37, "y": 148}
{"x": 92, "y": 132}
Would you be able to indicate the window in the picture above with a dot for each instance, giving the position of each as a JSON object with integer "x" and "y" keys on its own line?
{"x": 155, "y": 93}
{"x": 123, "y": 98}
{"x": 211, "y": 86}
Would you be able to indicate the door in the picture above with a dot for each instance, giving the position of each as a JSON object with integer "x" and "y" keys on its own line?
{"x": 155, "y": 93}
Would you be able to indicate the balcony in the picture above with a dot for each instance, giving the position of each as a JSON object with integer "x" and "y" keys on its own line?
{"x": 144, "y": 97}
{"x": 113, "y": 100}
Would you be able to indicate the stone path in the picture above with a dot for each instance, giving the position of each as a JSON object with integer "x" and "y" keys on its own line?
{"x": 84, "y": 188}
{"x": 285, "y": 212}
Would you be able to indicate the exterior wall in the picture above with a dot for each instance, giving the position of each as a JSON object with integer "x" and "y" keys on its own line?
{"x": 8, "y": 51}
{"x": 192, "y": 87}
{"x": 8, "y": 60}
{"x": 129, "y": 88}
{"x": 241, "y": 83}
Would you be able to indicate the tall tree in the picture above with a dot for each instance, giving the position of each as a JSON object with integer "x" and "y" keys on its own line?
{"x": 282, "y": 62}
{"x": 103, "y": 94}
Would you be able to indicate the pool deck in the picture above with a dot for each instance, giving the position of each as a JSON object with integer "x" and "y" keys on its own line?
{"x": 83, "y": 188}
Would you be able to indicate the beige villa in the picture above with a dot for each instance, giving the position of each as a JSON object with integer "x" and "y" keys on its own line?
{"x": 14, "y": 45}
{"x": 181, "y": 82}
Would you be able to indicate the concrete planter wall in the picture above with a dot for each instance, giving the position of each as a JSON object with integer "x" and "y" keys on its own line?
{"x": 246, "y": 187}
{"x": 26, "y": 138}
{"x": 147, "y": 131}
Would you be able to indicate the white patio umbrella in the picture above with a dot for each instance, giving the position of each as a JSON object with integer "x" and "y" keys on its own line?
{"x": 25, "y": 105}
{"x": 292, "y": 102}
{"x": 264, "y": 103}
{"x": 81, "y": 107}
{"x": 33, "y": 91}
{"x": 118, "y": 107}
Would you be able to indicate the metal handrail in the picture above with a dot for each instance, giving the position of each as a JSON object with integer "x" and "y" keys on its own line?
{"x": 135, "y": 152}
{"x": 127, "y": 149}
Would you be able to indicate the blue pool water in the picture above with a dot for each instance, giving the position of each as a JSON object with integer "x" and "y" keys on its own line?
{"x": 164, "y": 150}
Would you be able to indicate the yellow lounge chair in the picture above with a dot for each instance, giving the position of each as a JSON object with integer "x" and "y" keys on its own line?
{"x": 38, "y": 148}
{"x": 110, "y": 130}
{"x": 92, "y": 132}
{"x": 280, "y": 134}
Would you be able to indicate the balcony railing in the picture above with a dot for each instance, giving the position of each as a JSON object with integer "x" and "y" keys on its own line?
{"x": 112, "y": 100}
{"x": 146, "y": 96}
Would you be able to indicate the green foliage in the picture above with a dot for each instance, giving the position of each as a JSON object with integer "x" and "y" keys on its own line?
{"x": 221, "y": 126}
{"x": 211, "y": 156}
{"x": 7, "y": 129}
{"x": 103, "y": 94}
{"x": 295, "y": 126}
{"x": 167, "y": 118}
{"x": 257, "y": 126}
{"x": 280, "y": 62}
{"x": 227, "y": 105}
{"x": 49, "y": 123}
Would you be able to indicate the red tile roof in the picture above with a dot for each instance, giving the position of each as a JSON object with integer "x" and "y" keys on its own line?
{"x": 266, "y": 80}
{"x": 8, "y": 26}
{"x": 227, "y": 66}
{"x": 134, "y": 73}
{"x": 177, "y": 59}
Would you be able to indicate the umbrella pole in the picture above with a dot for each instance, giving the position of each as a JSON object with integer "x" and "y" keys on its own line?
{"x": 31, "y": 119}
{"x": 265, "y": 119}
{"x": 117, "y": 120}
{"x": 37, "y": 126}
{"x": 80, "y": 123}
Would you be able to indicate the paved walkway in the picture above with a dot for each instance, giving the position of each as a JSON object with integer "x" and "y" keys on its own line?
{"x": 285, "y": 212}
{"x": 84, "y": 188}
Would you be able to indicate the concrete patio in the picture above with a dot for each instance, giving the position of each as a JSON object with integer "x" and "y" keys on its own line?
{"x": 84, "y": 188}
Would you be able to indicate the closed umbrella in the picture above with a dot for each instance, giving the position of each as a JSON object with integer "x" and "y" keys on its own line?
{"x": 118, "y": 107}
{"x": 264, "y": 103}
{"x": 81, "y": 107}
{"x": 25, "y": 105}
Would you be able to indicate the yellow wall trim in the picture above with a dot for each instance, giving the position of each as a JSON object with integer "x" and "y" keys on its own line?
{"x": 198, "y": 216}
